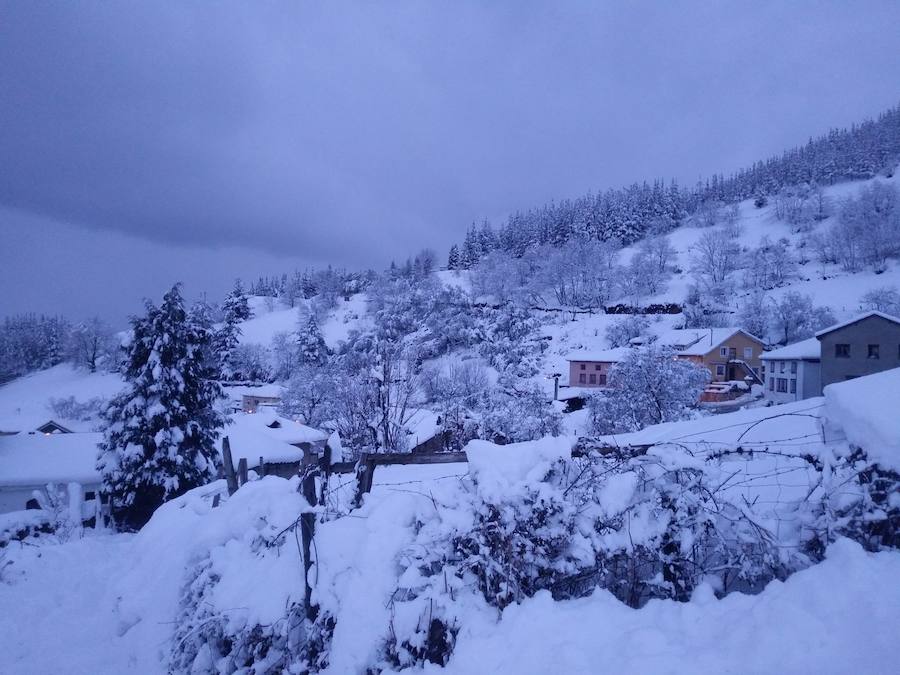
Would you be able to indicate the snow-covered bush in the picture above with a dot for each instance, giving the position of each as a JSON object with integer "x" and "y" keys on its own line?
{"x": 648, "y": 386}
{"x": 250, "y": 362}
{"x": 508, "y": 340}
{"x": 620, "y": 333}
{"x": 516, "y": 411}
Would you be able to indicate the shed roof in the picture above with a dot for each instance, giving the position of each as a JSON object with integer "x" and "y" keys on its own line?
{"x": 613, "y": 355}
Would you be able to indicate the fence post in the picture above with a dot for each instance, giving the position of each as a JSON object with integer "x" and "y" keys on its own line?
{"x": 262, "y": 467}
{"x": 365, "y": 470}
{"x": 307, "y": 529}
{"x": 229, "y": 466}
{"x": 242, "y": 470}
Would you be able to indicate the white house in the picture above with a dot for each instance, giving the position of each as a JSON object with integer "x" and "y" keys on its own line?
{"x": 28, "y": 462}
{"x": 793, "y": 373}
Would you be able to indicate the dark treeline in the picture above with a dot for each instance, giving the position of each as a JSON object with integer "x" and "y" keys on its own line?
{"x": 628, "y": 214}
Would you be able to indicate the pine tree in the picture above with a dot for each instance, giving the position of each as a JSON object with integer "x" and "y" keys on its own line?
{"x": 160, "y": 432}
{"x": 453, "y": 258}
{"x": 235, "y": 306}
{"x": 311, "y": 348}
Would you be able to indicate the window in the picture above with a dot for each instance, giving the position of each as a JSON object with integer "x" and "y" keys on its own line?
{"x": 771, "y": 384}
{"x": 782, "y": 385}
{"x": 723, "y": 351}
{"x": 602, "y": 377}
{"x": 582, "y": 379}
{"x": 781, "y": 366}
{"x": 593, "y": 378}
{"x": 748, "y": 353}
{"x": 841, "y": 351}
{"x": 88, "y": 496}
{"x": 720, "y": 370}
{"x": 793, "y": 386}
{"x": 793, "y": 367}
{"x": 583, "y": 366}
{"x": 597, "y": 367}
{"x": 874, "y": 351}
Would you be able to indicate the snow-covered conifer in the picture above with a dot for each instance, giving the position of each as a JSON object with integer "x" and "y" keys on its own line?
{"x": 160, "y": 432}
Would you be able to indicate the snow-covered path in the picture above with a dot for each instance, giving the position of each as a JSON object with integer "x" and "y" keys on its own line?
{"x": 59, "y": 612}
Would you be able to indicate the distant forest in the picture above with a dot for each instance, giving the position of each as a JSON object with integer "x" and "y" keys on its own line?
{"x": 631, "y": 213}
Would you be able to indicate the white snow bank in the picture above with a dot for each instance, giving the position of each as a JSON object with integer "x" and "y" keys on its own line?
{"x": 498, "y": 469}
{"x": 837, "y": 617}
{"x": 866, "y": 409}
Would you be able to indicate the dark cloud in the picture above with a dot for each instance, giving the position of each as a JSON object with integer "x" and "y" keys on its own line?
{"x": 356, "y": 132}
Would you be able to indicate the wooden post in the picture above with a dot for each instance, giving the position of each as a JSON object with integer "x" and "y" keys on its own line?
{"x": 216, "y": 499}
{"x": 363, "y": 468}
{"x": 307, "y": 529}
{"x": 262, "y": 467}
{"x": 229, "y": 467}
{"x": 325, "y": 471}
{"x": 242, "y": 470}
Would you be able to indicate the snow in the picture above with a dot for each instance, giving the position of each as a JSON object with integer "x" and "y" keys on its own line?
{"x": 37, "y": 459}
{"x": 866, "y": 410}
{"x": 25, "y": 402}
{"x": 837, "y": 617}
{"x": 270, "y": 317}
{"x": 805, "y": 349}
{"x": 613, "y": 355}
{"x": 499, "y": 468}
{"x": 856, "y": 319}
{"x": 349, "y": 315}
{"x": 250, "y": 435}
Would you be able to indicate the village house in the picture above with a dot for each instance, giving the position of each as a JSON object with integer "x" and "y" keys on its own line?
{"x": 730, "y": 354}
{"x": 866, "y": 344}
{"x": 793, "y": 373}
{"x": 254, "y": 399}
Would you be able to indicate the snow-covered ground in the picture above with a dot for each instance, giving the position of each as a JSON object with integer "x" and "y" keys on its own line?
{"x": 26, "y": 403}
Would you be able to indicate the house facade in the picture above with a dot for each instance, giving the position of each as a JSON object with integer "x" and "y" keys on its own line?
{"x": 730, "y": 354}
{"x": 793, "y": 373}
{"x": 867, "y": 344}
{"x": 591, "y": 369}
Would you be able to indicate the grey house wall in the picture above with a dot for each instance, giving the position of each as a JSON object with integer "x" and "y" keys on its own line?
{"x": 810, "y": 383}
{"x": 859, "y": 335}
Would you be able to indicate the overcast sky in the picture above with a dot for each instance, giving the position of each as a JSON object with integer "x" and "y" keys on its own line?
{"x": 147, "y": 142}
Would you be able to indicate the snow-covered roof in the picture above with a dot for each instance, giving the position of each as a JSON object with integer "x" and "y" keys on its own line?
{"x": 857, "y": 319}
{"x": 805, "y": 349}
{"x": 613, "y": 355}
{"x": 699, "y": 341}
{"x": 866, "y": 409}
{"x": 270, "y": 436}
{"x": 37, "y": 459}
